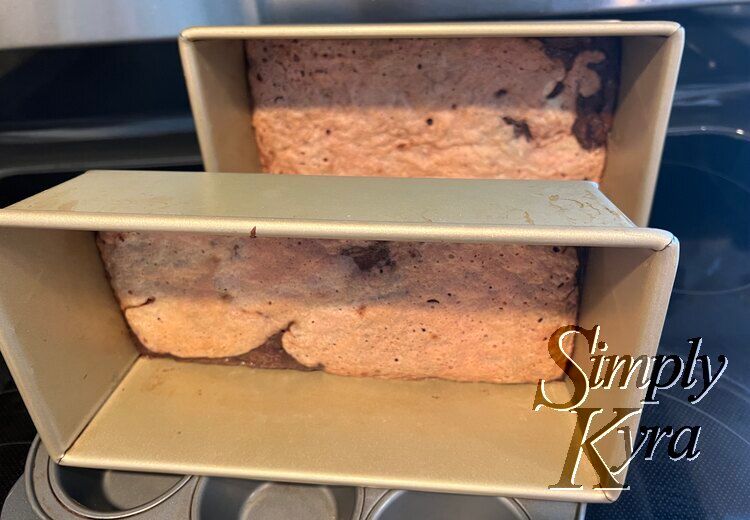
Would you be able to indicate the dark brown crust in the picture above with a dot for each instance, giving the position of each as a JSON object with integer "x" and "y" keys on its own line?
{"x": 376, "y": 255}
{"x": 270, "y": 355}
{"x": 594, "y": 113}
{"x": 565, "y": 49}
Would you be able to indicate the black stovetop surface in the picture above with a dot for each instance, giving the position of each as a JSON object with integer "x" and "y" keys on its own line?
{"x": 703, "y": 197}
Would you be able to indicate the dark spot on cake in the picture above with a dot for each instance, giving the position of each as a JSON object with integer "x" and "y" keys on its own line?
{"x": 429, "y": 121}
{"x": 593, "y": 113}
{"x": 226, "y": 296}
{"x": 591, "y": 130}
{"x": 433, "y": 300}
{"x": 361, "y": 310}
{"x": 500, "y": 93}
{"x": 252, "y": 233}
{"x": 259, "y": 77}
{"x": 395, "y": 359}
{"x": 328, "y": 131}
{"x": 557, "y": 90}
{"x": 236, "y": 251}
{"x": 454, "y": 106}
{"x": 377, "y": 255}
{"x": 565, "y": 50}
{"x": 560, "y": 285}
{"x": 302, "y": 73}
{"x": 556, "y": 249}
{"x": 520, "y": 128}
{"x": 419, "y": 66}
{"x": 295, "y": 57}
{"x": 539, "y": 320}
{"x": 148, "y": 301}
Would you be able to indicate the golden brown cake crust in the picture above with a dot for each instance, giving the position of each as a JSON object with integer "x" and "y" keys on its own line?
{"x": 464, "y": 312}
{"x": 474, "y": 107}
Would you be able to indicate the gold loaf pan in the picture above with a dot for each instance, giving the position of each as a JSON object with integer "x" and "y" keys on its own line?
{"x": 96, "y": 403}
{"x": 215, "y": 72}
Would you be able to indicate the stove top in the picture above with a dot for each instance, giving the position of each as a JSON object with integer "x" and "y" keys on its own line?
{"x": 703, "y": 197}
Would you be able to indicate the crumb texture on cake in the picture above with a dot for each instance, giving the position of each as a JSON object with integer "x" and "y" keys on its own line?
{"x": 521, "y": 108}
{"x": 466, "y": 312}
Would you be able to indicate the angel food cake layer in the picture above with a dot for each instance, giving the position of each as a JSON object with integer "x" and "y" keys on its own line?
{"x": 521, "y": 108}
{"x": 465, "y": 312}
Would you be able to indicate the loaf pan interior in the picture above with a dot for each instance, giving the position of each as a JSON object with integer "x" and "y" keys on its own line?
{"x": 97, "y": 404}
